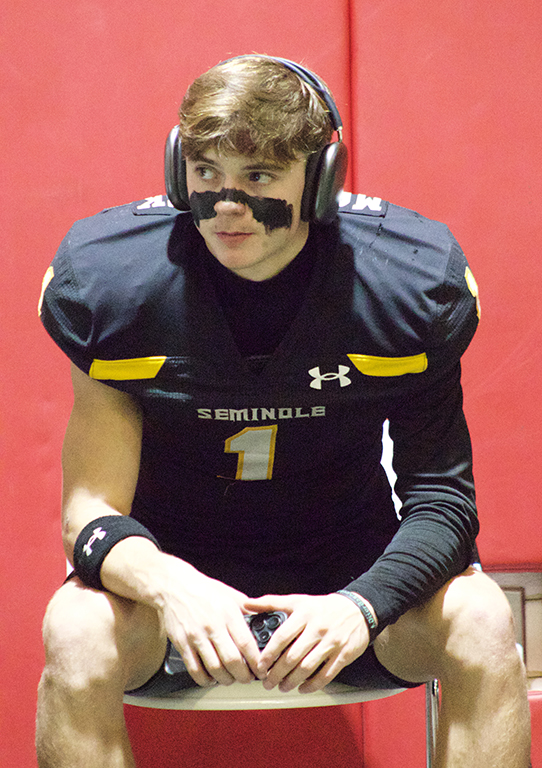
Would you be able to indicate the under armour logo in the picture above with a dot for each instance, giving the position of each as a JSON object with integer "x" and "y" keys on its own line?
{"x": 318, "y": 377}
{"x": 98, "y": 533}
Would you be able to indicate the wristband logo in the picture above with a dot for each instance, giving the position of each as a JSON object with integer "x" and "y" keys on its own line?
{"x": 97, "y": 533}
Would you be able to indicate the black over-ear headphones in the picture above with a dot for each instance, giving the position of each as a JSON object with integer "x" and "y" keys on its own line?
{"x": 325, "y": 173}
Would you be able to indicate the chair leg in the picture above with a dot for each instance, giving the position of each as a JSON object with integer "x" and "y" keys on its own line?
{"x": 431, "y": 720}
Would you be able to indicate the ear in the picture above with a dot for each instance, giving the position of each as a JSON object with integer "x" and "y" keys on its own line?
{"x": 175, "y": 171}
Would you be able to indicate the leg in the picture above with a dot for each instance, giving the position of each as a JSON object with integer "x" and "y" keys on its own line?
{"x": 464, "y": 637}
{"x": 97, "y": 645}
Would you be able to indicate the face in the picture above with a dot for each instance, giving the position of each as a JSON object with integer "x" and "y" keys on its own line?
{"x": 248, "y": 211}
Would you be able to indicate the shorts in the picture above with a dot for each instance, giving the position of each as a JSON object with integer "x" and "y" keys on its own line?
{"x": 365, "y": 673}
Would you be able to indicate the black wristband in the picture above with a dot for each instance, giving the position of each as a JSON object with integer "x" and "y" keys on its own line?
{"x": 97, "y": 539}
{"x": 367, "y": 615}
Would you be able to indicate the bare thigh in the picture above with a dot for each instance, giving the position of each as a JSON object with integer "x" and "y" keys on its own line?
{"x": 85, "y": 629}
{"x": 458, "y": 626}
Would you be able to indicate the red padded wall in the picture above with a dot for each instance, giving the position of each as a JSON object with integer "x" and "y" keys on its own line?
{"x": 536, "y": 727}
{"x": 394, "y": 731}
{"x": 446, "y": 104}
{"x": 90, "y": 91}
{"x": 446, "y": 109}
{"x": 303, "y": 738}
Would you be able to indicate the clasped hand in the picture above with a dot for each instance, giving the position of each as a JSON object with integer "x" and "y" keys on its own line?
{"x": 323, "y": 634}
{"x": 205, "y": 621}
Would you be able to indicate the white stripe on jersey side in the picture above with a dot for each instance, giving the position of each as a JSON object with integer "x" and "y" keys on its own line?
{"x": 386, "y": 461}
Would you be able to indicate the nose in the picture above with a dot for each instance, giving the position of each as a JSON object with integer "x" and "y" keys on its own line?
{"x": 229, "y": 207}
{"x": 230, "y": 201}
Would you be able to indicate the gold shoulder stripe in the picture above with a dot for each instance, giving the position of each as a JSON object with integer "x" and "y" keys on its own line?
{"x": 123, "y": 370}
{"x": 46, "y": 280}
{"x": 371, "y": 365}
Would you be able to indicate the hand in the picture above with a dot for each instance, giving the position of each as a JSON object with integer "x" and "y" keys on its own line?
{"x": 204, "y": 620}
{"x": 322, "y": 635}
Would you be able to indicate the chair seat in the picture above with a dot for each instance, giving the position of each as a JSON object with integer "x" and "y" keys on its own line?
{"x": 254, "y": 696}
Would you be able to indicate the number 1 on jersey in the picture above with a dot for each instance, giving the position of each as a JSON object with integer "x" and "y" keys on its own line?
{"x": 256, "y": 449}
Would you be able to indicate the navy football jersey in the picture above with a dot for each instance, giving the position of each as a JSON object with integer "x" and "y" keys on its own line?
{"x": 270, "y": 478}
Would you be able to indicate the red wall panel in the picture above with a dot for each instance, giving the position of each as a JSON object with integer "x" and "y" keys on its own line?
{"x": 91, "y": 90}
{"x": 536, "y": 727}
{"x": 446, "y": 103}
{"x": 291, "y": 738}
{"x": 394, "y": 731}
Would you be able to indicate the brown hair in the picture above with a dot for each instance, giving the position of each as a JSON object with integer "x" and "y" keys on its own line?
{"x": 253, "y": 105}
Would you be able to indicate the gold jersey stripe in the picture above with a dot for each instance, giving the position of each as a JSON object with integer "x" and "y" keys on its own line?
{"x": 123, "y": 370}
{"x": 371, "y": 365}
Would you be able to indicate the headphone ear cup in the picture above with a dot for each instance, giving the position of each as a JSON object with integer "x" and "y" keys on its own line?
{"x": 324, "y": 179}
{"x": 175, "y": 171}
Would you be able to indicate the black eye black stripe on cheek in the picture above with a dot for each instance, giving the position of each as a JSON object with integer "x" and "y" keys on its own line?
{"x": 269, "y": 211}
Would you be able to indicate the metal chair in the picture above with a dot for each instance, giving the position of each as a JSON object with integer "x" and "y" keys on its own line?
{"x": 254, "y": 696}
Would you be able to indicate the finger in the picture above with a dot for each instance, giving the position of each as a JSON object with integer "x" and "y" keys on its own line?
{"x": 238, "y": 650}
{"x": 309, "y": 657}
{"x": 324, "y": 675}
{"x": 190, "y": 657}
{"x": 214, "y": 666}
{"x": 235, "y": 663}
{"x": 307, "y": 668}
{"x": 316, "y": 670}
{"x": 296, "y": 656}
{"x": 280, "y": 642}
{"x": 194, "y": 666}
{"x": 326, "y": 670}
{"x": 244, "y": 640}
{"x": 215, "y": 660}
{"x": 270, "y": 603}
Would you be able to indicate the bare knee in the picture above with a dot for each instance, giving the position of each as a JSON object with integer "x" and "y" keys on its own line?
{"x": 475, "y": 631}
{"x": 478, "y": 622}
{"x": 91, "y": 645}
{"x": 467, "y": 626}
{"x": 95, "y": 638}
{"x": 79, "y": 637}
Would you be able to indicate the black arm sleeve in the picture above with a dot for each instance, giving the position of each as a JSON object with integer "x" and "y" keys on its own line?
{"x": 432, "y": 459}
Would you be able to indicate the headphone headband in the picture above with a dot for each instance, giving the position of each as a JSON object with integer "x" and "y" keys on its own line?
{"x": 308, "y": 77}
